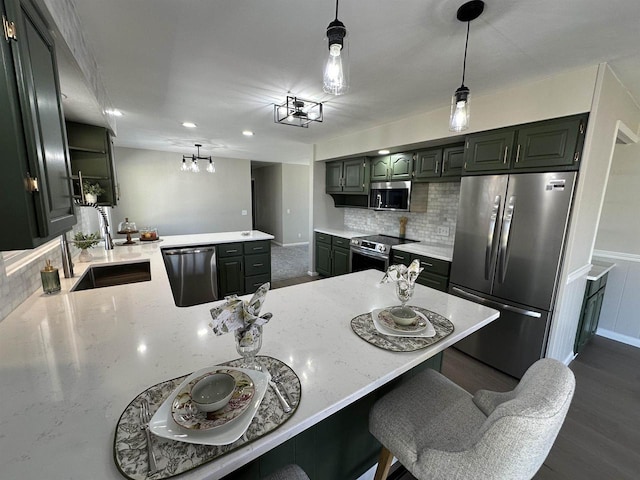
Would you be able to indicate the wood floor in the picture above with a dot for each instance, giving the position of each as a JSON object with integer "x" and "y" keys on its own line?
{"x": 600, "y": 438}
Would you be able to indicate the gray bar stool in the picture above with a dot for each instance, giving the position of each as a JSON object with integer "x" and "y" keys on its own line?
{"x": 290, "y": 472}
{"x": 438, "y": 430}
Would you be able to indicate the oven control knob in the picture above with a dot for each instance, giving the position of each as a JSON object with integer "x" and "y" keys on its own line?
{"x": 355, "y": 241}
{"x": 381, "y": 248}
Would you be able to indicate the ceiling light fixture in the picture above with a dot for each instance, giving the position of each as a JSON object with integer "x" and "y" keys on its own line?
{"x": 297, "y": 112}
{"x": 193, "y": 166}
{"x": 336, "y": 71}
{"x": 383, "y": 152}
{"x": 247, "y": 133}
{"x": 459, "y": 119}
{"x": 189, "y": 124}
{"x": 115, "y": 112}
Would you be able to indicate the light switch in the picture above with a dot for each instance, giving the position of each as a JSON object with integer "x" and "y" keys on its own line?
{"x": 244, "y": 212}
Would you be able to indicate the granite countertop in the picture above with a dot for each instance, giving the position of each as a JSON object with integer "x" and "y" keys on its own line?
{"x": 433, "y": 250}
{"x": 72, "y": 361}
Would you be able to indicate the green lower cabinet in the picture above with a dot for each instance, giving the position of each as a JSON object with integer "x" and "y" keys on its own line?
{"x": 230, "y": 276}
{"x": 435, "y": 273}
{"x": 590, "y": 315}
{"x": 339, "y": 447}
{"x": 332, "y": 255}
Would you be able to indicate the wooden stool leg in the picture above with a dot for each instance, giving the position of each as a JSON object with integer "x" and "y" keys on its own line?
{"x": 384, "y": 464}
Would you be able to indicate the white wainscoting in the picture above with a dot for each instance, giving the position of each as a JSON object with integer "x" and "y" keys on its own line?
{"x": 619, "y": 317}
{"x": 566, "y": 316}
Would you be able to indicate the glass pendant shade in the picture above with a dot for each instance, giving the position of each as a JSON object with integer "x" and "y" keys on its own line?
{"x": 184, "y": 167}
{"x": 194, "y": 166}
{"x": 335, "y": 80}
{"x": 459, "y": 119}
{"x": 211, "y": 168}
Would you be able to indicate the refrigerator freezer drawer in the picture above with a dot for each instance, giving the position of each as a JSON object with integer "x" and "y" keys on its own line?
{"x": 513, "y": 342}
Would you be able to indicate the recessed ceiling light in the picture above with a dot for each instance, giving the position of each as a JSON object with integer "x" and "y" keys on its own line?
{"x": 383, "y": 152}
{"x": 115, "y": 112}
{"x": 247, "y": 133}
{"x": 189, "y": 124}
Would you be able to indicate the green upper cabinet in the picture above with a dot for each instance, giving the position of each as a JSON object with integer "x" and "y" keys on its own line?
{"x": 489, "y": 151}
{"x": 35, "y": 186}
{"x": 91, "y": 151}
{"x": 398, "y": 166}
{"x": 542, "y": 146}
{"x": 555, "y": 143}
{"x": 348, "y": 176}
{"x": 438, "y": 164}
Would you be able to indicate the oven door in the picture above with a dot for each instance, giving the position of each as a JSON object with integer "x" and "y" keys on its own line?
{"x": 363, "y": 260}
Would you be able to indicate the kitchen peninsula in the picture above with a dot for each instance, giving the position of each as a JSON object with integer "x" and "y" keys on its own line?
{"x": 72, "y": 362}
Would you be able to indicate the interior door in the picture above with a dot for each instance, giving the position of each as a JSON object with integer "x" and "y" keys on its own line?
{"x": 478, "y": 231}
{"x": 532, "y": 237}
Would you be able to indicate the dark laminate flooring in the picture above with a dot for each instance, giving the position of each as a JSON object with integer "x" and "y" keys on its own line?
{"x": 600, "y": 438}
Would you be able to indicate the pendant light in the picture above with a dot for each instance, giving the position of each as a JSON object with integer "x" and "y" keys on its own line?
{"x": 194, "y": 167}
{"x": 336, "y": 71}
{"x": 459, "y": 119}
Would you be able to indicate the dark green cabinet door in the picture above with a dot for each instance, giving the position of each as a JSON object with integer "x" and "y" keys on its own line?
{"x": 596, "y": 316}
{"x": 340, "y": 263}
{"x": 586, "y": 321}
{"x": 380, "y": 169}
{"x": 452, "y": 161}
{"x": 401, "y": 166}
{"x": 323, "y": 258}
{"x": 487, "y": 152}
{"x": 549, "y": 144}
{"x": 333, "y": 177}
{"x": 400, "y": 258}
{"x": 33, "y": 141}
{"x": 428, "y": 164}
{"x": 354, "y": 180}
{"x": 230, "y": 276}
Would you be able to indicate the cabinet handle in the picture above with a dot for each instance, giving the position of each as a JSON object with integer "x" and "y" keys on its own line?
{"x": 258, "y": 264}
{"x": 32, "y": 183}
{"x": 437, "y": 167}
{"x": 518, "y": 154}
{"x": 444, "y": 165}
{"x": 581, "y": 128}
{"x": 257, "y": 248}
{"x": 506, "y": 151}
{"x": 576, "y": 156}
{"x": 232, "y": 251}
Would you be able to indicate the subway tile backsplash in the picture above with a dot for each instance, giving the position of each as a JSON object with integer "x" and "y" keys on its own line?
{"x": 442, "y": 209}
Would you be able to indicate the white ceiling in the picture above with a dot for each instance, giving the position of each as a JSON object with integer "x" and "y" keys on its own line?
{"x": 223, "y": 63}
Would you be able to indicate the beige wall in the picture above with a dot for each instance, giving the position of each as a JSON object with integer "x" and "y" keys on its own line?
{"x": 295, "y": 203}
{"x": 153, "y": 192}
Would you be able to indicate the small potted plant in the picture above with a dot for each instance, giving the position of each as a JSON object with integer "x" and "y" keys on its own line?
{"x": 85, "y": 241}
{"x": 91, "y": 191}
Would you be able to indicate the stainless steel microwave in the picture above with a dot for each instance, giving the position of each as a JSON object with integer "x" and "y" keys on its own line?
{"x": 393, "y": 196}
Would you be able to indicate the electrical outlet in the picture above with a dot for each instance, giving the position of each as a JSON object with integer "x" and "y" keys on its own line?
{"x": 244, "y": 212}
{"x": 299, "y": 235}
{"x": 444, "y": 231}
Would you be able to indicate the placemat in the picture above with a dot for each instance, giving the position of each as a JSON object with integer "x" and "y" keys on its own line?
{"x": 174, "y": 458}
{"x": 363, "y": 326}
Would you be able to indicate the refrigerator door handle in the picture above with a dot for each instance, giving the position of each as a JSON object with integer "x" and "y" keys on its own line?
{"x": 504, "y": 243}
{"x": 491, "y": 303}
{"x": 489, "y": 253}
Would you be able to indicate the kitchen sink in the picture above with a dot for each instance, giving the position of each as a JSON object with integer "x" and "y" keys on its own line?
{"x": 108, "y": 275}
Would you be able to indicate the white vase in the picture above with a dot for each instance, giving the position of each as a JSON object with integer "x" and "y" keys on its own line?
{"x": 90, "y": 198}
{"x": 85, "y": 256}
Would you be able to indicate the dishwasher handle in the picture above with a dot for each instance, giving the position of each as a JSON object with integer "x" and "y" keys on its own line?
{"x": 186, "y": 251}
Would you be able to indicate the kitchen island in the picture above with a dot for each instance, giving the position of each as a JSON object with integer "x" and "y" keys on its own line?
{"x": 71, "y": 362}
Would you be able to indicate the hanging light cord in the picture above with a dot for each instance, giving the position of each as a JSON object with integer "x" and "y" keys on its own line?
{"x": 337, "y": 9}
{"x": 464, "y": 62}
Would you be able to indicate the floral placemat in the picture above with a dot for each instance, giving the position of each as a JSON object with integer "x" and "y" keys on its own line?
{"x": 363, "y": 326}
{"x": 174, "y": 458}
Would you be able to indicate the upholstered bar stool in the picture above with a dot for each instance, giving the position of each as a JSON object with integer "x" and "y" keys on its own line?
{"x": 438, "y": 430}
{"x": 290, "y": 472}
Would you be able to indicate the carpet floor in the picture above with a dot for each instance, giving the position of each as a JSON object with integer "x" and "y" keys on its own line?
{"x": 289, "y": 262}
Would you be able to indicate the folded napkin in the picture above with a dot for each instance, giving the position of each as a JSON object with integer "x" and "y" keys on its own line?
{"x": 402, "y": 273}
{"x": 236, "y": 314}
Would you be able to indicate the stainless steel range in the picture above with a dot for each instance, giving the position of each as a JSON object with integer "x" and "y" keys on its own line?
{"x": 373, "y": 251}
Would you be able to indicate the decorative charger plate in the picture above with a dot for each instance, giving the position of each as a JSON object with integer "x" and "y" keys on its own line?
{"x": 185, "y": 414}
{"x": 386, "y": 319}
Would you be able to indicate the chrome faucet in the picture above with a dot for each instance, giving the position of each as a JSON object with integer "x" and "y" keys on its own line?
{"x": 106, "y": 234}
{"x": 67, "y": 264}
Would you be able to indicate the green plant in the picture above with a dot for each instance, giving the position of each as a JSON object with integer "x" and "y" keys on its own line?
{"x": 92, "y": 188}
{"x": 85, "y": 240}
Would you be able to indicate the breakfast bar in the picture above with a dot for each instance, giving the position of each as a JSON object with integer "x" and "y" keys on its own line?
{"x": 70, "y": 363}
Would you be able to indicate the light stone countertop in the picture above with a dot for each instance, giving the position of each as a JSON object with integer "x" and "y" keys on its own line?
{"x": 71, "y": 362}
{"x": 434, "y": 250}
{"x": 599, "y": 268}
{"x": 349, "y": 234}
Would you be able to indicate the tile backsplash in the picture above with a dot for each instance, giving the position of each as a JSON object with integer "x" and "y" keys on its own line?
{"x": 17, "y": 286}
{"x": 442, "y": 209}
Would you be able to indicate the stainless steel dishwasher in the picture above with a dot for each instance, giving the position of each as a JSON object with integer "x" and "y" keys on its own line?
{"x": 192, "y": 274}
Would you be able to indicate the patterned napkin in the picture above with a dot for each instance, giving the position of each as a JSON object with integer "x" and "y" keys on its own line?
{"x": 402, "y": 273}
{"x": 236, "y": 314}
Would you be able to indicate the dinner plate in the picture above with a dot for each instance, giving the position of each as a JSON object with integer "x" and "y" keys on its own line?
{"x": 163, "y": 424}
{"x": 185, "y": 414}
{"x": 378, "y": 322}
{"x": 386, "y": 319}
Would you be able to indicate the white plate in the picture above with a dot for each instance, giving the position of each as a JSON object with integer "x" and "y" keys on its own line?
{"x": 426, "y": 333}
{"x": 163, "y": 425}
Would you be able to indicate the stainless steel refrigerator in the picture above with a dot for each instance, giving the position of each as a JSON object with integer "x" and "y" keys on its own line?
{"x": 509, "y": 244}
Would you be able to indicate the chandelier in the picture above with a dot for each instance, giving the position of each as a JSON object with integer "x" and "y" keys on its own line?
{"x": 192, "y": 165}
